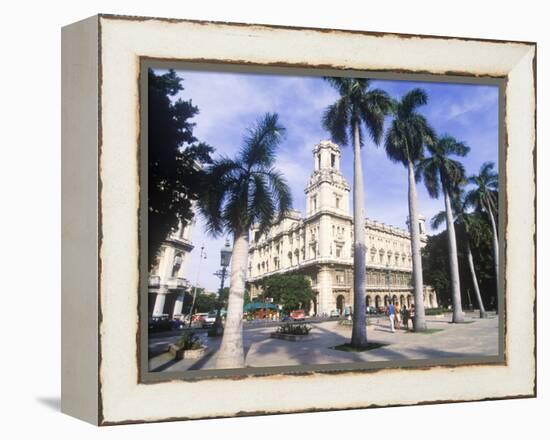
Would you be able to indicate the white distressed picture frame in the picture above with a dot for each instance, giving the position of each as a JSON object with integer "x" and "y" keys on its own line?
{"x": 101, "y": 201}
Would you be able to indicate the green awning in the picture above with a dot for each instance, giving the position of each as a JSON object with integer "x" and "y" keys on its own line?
{"x": 258, "y": 306}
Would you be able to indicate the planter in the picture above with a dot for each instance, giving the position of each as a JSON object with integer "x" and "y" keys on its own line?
{"x": 349, "y": 324}
{"x": 215, "y": 332}
{"x": 293, "y": 338}
{"x": 179, "y": 353}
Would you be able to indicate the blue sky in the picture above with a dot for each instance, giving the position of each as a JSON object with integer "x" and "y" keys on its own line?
{"x": 231, "y": 102}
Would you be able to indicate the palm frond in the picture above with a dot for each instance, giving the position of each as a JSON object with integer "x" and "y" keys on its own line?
{"x": 438, "y": 219}
{"x": 409, "y": 132}
{"x": 260, "y": 142}
{"x": 336, "y": 120}
{"x": 219, "y": 179}
{"x": 281, "y": 192}
{"x": 373, "y": 107}
{"x": 449, "y": 145}
{"x": 261, "y": 205}
{"x": 410, "y": 102}
{"x": 428, "y": 170}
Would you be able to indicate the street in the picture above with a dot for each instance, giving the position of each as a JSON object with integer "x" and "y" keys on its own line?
{"x": 476, "y": 337}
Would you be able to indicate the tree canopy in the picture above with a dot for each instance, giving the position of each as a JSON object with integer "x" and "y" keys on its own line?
{"x": 290, "y": 291}
{"x": 357, "y": 103}
{"x": 249, "y": 189}
{"x": 175, "y": 159}
{"x": 409, "y": 131}
{"x": 440, "y": 171}
{"x": 435, "y": 262}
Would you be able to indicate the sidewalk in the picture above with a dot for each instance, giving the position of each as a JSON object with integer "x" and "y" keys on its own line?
{"x": 477, "y": 337}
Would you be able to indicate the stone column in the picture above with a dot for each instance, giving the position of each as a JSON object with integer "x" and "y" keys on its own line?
{"x": 159, "y": 303}
{"x": 178, "y": 305}
{"x": 325, "y": 297}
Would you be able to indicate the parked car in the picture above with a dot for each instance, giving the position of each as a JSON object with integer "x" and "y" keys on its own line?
{"x": 198, "y": 318}
{"x": 334, "y": 314}
{"x": 209, "y": 319}
{"x": 371, "y": 310}
{"x": 298, "y": 315}
{"x": 160, "y": 323}
{"x": 177, "y": 324}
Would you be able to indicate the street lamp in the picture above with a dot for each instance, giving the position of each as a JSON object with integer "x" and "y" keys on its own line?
{"x": 225, "y": 258}
{"x": 202, "y": 256}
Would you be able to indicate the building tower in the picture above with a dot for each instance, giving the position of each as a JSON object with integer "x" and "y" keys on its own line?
{"x": 328, "y": 222}
{"x": 327, "y": 188}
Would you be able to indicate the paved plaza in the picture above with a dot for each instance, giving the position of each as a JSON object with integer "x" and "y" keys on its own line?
{"x": 475, "y": 337}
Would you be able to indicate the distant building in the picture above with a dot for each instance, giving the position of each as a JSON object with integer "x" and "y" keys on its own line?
{"x": 319, "y": 246}
{"x": 167, "y": 284}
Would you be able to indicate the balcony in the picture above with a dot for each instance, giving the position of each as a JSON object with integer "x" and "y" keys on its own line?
{"x": 154, "y": 281}
{"x": 177, "y": 283}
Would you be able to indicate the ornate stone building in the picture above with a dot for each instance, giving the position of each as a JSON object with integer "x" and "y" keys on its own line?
{"x": 319, "y": 246}
{"x": 167, "y": 284}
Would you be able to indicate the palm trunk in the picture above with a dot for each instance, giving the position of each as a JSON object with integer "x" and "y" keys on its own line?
{"x": 418, "y": 282}
{"x": 231, "y": 352}
{"x": 482, "y": 312}
{"x": 359, "y": 329}
{"x": 458, "y": 315}
{"x": 495, "y": 249}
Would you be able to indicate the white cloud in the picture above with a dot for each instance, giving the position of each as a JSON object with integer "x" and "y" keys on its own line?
{"x": 231, "y": 103}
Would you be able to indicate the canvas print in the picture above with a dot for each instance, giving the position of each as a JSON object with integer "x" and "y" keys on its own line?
{"x": 310, "y": 221}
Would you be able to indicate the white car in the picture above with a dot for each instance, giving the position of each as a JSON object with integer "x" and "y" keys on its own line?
{"x": 209, "y": 319}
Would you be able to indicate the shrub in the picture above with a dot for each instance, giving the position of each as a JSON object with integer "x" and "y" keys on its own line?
{"x": 294, "y": 329}
{"x": 189, "y": 341}
{"x": 349, "y": 322}
{"x": 436, "y": 311}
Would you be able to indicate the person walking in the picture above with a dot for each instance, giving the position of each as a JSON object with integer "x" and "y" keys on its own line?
{"x": 405, "y": 316}
{"x": 391, "y": 315}
{"x": 397, "y": 316}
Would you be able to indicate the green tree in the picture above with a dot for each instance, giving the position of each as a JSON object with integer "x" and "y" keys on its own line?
{"x": 409, "y": 132}
{"x": 241, "y": 192}
{"x": 442, "y": 174}
{"x": 357, "y": 108}
{"x": 175, "y": 159}
{"x": 290, "y": 291}
{"x": 205, "y": 302}
{"x": 468, "y": 224}
{"x": 484, "y": 198}
{"x": 435, "y": 262}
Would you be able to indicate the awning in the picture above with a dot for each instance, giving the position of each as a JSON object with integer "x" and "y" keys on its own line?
{"x": 259, "y": 305}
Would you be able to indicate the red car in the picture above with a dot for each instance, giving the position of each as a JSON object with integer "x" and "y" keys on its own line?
{"x": 298, "y": 315}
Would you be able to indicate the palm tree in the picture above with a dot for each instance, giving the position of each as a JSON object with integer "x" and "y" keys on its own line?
{"x": 469, "y": 222}
{"x": 356, "y": 107}
{"x": 443, "y": 174}
{"x": 241, "y": 192}
{"x": 405, "y": 140}
{"x": 484, "y": 198}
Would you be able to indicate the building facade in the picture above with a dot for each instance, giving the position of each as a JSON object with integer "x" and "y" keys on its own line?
{"x": 319, "y": 246}
{"x": 167, "y": 284}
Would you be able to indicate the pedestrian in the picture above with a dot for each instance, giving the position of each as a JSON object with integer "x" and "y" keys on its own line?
{"x": 398, "y": 316}
{"x": 405, "y": 316}
{"x": 391, "y": 315}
